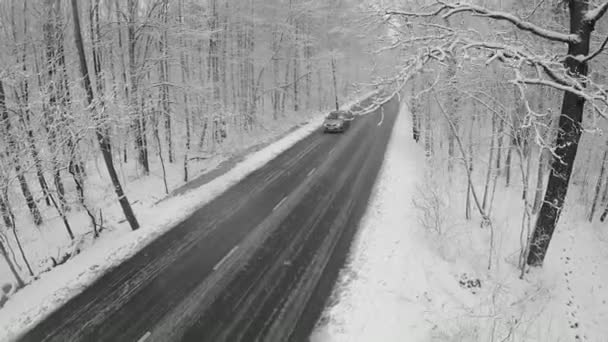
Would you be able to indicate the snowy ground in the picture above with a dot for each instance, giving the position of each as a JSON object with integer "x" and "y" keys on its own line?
{"x": 117, "y": 243}
{"x": 416, "y": 278}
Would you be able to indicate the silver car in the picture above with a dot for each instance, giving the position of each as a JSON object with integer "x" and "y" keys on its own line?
{"x": 337, "y": 121}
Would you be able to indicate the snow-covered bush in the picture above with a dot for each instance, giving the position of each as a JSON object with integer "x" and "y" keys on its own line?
{"x": 431, "y": 208}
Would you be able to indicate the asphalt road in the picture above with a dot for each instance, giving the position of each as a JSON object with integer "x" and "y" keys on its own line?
{"x": 256, "y": 263}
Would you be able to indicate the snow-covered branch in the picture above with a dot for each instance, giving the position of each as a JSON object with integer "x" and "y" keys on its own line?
{"x": 451, "y": 9}
{"x": 518, "y": 22}
{"x": 591, "y": 98}
{"x": 596, "y": 14}
{"x": 597, "y": 52}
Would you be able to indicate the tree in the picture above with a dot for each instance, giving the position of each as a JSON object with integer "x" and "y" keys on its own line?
{"x": 100, "y": 131}
{"x": 139, "y": 120}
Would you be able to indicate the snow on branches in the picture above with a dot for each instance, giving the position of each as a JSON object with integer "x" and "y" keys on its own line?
{"x": 532, "y": 60}
{"x": 447, "y": 10}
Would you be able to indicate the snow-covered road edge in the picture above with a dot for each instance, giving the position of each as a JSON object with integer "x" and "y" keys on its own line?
{"x": 37, "y": 300}
{"x": 367, "y": 303}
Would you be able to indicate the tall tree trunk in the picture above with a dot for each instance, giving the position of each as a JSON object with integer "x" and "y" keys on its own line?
{"x": 3, "y": 250}
{"x": 224, "y": 59}
{"x": 124, "y": 68}
{"x": 164, "y": 72}
{"x": 7, "y": 210}
{"x": 510, "y": 144}
{"x": 214, "y": 69}
{"x": 139, "y": 124}
{"x": 185, "y": 79}
{"x": 428, "y": 131}
{"x": 490, "y": 164}
{"x": 500, "y": 133}
{"x": 251, "y": 88}
{"x": 567, "y": 138}
{"x": 453, "y": 102}
{"x": 6, "y": 217}
{"x": 296, "y": 68}
{"x": 543, "y": 158}
{"x": 100, "y": 130}
{"x": 470, "y": 157}
{"x": 276, "y": 92}
{"x": 335, "y": 81}
{"x": 598, "y": 186}
{"x": 308, "y": 60}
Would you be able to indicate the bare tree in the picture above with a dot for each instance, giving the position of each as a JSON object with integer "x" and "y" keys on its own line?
{"x": 100, "y": 129}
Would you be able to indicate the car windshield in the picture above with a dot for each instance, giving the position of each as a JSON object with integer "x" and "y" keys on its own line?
{"x": 333, "y": 116}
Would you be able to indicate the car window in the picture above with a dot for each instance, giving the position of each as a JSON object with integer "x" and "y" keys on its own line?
{"x": 333, "y": 116}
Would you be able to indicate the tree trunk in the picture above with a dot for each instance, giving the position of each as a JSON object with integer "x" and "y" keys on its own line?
{"x": 540, "y": 176}
{"x": 164, "y": 73}
{"x": 453, "y": 102}
{"x": 567, "y": 139}
{"x": 490, "y": 164}
{"x": 139, "y": 125}
{"x": 508, "y": 161}
{"x": 251, "y": 96}
{"x": 125, "y": 83}
{"x": 276, "y": 92}
{"x": 428, "y": 131}
{"x": 296, "y": 68}
{"x": 333, "y": 74}
{"x": 470, "y": 157}
{"x": 100, "y": 129}
{"x": 185, "y": 79}
{"x": 213, "y": 70}
{"x": 598, "y": 186}
{"x": 500, "y": 133}
{"x": 3, "y": 250}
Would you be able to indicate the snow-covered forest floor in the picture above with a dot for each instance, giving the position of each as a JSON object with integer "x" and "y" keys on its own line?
{"x": 418, "y": 271}
{"x": 158, "y": 212}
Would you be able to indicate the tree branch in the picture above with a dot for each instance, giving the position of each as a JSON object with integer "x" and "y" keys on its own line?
{"x": 415, "y": 14}
{"x": 586, "y": 96}
{"x": 597, "y": 52}
{"x": 596, "y": 13}
{"x": 518, "y": 22}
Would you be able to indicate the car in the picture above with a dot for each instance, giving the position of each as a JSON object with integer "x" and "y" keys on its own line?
{"x": 337, "y": 121}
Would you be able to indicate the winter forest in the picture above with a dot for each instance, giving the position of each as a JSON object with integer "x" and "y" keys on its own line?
{"x": 168, "y": 84}
{"x": 110, "y": 107}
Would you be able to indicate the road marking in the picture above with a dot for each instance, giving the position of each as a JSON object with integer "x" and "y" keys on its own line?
{"x": 382, "y": 113}
{"x": 225, "y": 258}
{"x": 279, "y": 204}
{"x": 311, "y": 172}
{"x": 145, "y": 337}
{"x": 332, "y": 151}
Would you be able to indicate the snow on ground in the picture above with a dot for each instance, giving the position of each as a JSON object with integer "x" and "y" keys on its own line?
{"x": 370, "y": 303}
{"x": 418, "y": 271}
{"x": 118, "y": 243}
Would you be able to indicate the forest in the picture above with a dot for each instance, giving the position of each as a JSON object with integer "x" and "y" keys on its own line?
{"x": 513, "y": 103}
